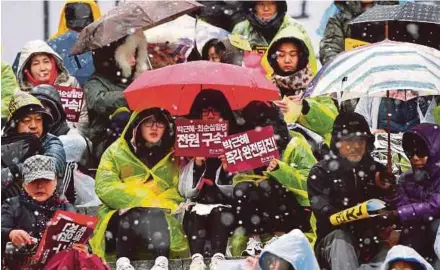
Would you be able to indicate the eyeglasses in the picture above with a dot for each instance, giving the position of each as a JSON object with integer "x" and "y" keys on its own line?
{"x": 205, "y": 112}
{"x": 150, "y": 123}
{"x": 420, "y": 152}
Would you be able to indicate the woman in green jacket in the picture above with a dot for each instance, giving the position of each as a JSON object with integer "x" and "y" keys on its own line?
{"x": 137, "y": 181}
{"x": 273, "y": 199}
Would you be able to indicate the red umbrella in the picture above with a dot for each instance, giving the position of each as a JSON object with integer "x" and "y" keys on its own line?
{"x": 175, "y": 87}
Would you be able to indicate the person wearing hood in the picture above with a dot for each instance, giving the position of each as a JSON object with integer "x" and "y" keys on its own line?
{"x": 205, "y": 182}
{"x": 287, "y": 63}
{"x": 75, "y": 16}
{"x": 337, "y": 29}
{"x": 75, "y": 145}
{"x": 347, "y": 177}
{"x": 25, "y": 217}
{"x": 404, "y": 258}
{"x": 291, "y": 251}
{"x": 418, "y": 191}
{"x": 28, "y": 116}
{"x": 137, "y": 182}
{"x": 40, "y": 64}
{"x": 265, "y": 19}
{"x": 116, "y": 66}
{"x": 273, "y": 199}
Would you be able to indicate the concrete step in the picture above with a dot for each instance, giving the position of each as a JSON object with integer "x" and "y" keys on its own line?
{"x": 178, "y": 264}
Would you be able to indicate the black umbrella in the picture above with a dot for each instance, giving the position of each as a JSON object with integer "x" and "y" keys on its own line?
{"x": 415, "y": 23}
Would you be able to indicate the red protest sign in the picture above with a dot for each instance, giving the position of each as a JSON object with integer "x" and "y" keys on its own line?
{"x": 64, "y": 230}
{"x": 199, "y": 138}
{"x": 72, "y": 100}
{"x": 249, "y": 150}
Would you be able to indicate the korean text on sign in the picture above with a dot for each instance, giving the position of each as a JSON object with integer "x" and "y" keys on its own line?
{"x": 250, "y": 150}
{"x": 199, "y": 138}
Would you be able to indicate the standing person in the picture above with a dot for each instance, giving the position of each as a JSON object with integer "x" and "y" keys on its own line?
{"x": 40, "y": 64}
{"x": 206, "y": 183}
{"x": 28, "y": 116}
{"x": 221, "y": 51}
{"x": 75, "y": 16}
{"x": 264, "y": 20}
{"x": 337, "y": 30}
{"x": 137, "y": 182}
{"x": 344, "y": 180}
{"x": 418, "y": 192}
{"x": 273, "y": 199}
{"x": 116, "y": 66}
{"x": 25, "y": 217}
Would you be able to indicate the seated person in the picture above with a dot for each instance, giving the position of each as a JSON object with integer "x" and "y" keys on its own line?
{"x": 137, "y": 182}
{"x": 24, "y": 217}
{"x": 28, "y": 116}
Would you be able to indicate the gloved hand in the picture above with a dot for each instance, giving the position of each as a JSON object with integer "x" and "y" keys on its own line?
{"x": 386, "y": 181}
{"x": 391, "y": 216}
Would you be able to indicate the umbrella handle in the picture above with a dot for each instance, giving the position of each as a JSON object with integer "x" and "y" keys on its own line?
{"x": 389, "y": 169}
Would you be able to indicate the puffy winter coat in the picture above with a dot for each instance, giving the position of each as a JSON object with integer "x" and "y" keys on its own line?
{"x": 51, "y": 145}
{"x": 337, "y": 29}
{"x": 64, "y": 79}
{"x": 334, "y": 184}
{"x": 123, "y": 181}
{"x": 419, "y": 189}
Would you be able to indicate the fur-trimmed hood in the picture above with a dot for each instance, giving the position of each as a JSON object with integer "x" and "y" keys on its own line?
{"x": 111, "y": 61}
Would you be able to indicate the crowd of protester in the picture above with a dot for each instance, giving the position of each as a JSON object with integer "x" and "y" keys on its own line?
{"x": 155, "y": 205}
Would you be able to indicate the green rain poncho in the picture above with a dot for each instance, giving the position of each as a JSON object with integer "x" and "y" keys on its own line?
{"x": 294, "y": 167}
{"x": 121, "y": 183}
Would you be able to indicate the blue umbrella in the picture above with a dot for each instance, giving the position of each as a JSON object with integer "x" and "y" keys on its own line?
{"x": 80, "y": 66}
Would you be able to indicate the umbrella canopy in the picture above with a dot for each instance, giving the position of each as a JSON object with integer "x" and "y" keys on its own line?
{"x": 175, "y": 87}
{"x": 127, "y": 18}
{"x": 411, "y": 22}
{"x": 371, "y": 71}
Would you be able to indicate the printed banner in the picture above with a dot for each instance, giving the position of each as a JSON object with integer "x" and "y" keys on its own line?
{"x": 250, "y": 150}
{"x": 361, "y": 211}
{"x": 351, "y": 43}
{"x": 200, "y": 138}
{"x": 72, "y": 100}
{"x": 64, "y": 230}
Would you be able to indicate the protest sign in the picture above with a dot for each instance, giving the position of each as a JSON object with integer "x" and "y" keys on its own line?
{"x": 64, "y": 230}
{"x": 363, "y": 210}
{"x": 200, "y": 138}
{"x": 72, "y": 100}
{"x": 250, "y": 150}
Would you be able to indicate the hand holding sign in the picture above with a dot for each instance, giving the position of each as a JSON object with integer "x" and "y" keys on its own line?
{"x": 249, "y": 150}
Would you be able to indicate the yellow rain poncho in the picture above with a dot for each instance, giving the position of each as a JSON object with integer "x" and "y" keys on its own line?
{"x": 62, "y": 26}
{"x": 123, "y": 181}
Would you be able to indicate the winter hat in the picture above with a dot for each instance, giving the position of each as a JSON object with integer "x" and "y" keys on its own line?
{"x": 349, "y": 125}
{"x": 23, "y": 104}
{"x": 39, "y": 167}
{"x": 49, "y": 95}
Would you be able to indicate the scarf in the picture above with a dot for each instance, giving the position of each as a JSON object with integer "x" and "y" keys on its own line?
{"x": 294, "y": 83}
{"x": 268, "y": 29}
{"x": 52, "y": 77}
{"x": 43, "y": 211}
